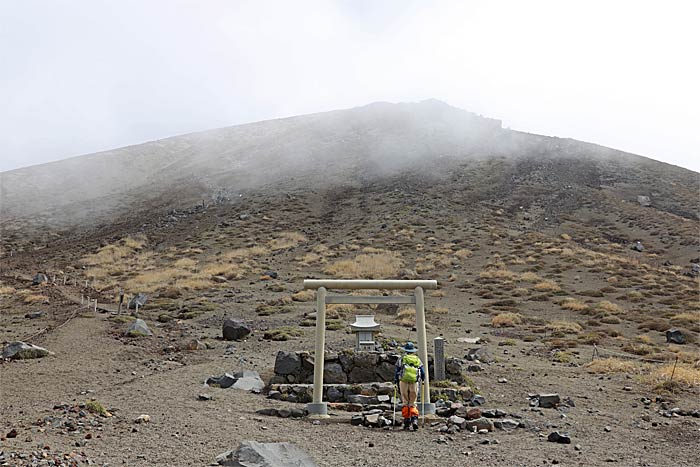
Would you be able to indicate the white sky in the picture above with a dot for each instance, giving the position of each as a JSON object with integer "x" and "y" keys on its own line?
{"x": 81, "y": 76}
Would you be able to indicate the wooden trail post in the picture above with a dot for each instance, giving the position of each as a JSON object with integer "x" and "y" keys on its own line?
{"x": 121, "y": 301}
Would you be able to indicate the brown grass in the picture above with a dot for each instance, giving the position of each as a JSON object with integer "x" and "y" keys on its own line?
{"x": 564, "y": 327}
{"x": 7, "y": 290}
{"x": 370, "y": 266}
{"x": 406, "y": 317}
{"x": 35, "y": 298}
{"x": 440, "y": 310}
{"x": 530, "y": 277}
{"x": 608, "y": 307}
{"x": 685, "y": 375}
{"x": 506, "y": 320}
{"x": 547, "y": 286}
{"x": 611, "y": 365}
{"x": 304, "y": 296}
{"x": 287, "y": 240}
{"x": 502, "y": 274}
{"x": 689, "y": 318}
{"x": 463, "y": 253}
{"x": 573, "y": 305}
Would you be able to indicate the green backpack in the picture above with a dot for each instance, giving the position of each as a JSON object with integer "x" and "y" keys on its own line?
{"x": 411, "y": 364}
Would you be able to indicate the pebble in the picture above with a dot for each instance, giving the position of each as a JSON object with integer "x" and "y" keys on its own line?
{"x": 502, "y": 380}
{"x": 143, "y": 418}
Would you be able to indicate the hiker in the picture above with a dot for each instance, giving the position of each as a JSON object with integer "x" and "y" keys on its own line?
{"x": 409, "y": 373}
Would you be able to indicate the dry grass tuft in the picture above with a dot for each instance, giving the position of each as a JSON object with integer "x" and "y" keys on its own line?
{"x": 287, "y": 240}
{"x": 608, "y": 307}
{"x": 684, "y": 375}
{"x": 406, "y": 317}
{"x": 463, "y": 253}
{"x": 564, "y": 327}
{"x": 547, "y": 286}
{"x": 440, "y": 310}
{"x": 530, "y": 277}
{"x": 689, "y": 318}
{"x": 7, "y": 290}
{"x": 573, "y": 305}
{"x": 611, "y": 365}
{"x": 34, "y": 298}
{"x": 502, "y": 274}
{"x": 506, "y": 320}
{"x": 370, "y": 266}
{"x": 304, "y": 296}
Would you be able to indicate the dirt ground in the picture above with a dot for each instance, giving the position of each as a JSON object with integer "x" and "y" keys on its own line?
{"x": 480, "y": 251}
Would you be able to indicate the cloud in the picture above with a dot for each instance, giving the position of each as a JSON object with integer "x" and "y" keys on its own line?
{"x": 83, "y": 76}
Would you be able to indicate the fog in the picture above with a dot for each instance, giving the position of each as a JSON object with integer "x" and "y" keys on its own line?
{"x": 78, "y": 77}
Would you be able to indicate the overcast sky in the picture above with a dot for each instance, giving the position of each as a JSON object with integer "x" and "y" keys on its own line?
{"x": 82, "y": 76}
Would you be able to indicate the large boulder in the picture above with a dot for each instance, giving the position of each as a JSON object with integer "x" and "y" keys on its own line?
{"x": 223, "y": 381}
{"x": 385, "y": 371}
{"x": 244, "y": 380}
{"x": 480, "y": 354}
{"x": 287, "y": 363}
{"x": 644, "y": 200}
{"x": 333, "y": 374}
{"x": 39, "y": 278}
{"x": 235, "y": 330}
{"x": 248, "y": 381}
{"x": 140, "y": 299}
{"x": 137, "y": 328}
{"x": 675, "y": 336}
{"x": 23, "y": 351}
{"x": 254, "y": 454}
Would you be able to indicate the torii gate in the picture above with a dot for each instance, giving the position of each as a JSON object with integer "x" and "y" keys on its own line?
{"x": 319, "y": 408}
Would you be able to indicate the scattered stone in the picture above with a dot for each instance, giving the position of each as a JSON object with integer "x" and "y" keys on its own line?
{"x": 140, "y": 299}
{"x": 361, "y": 399}
{"x": 479, "y": 424}
{"x": 644, "y": 200}
{"x": 196, "y": 344}
{"x": 469, "y": 340}
{"x": 473, "y": 413}
{"x": 478, "y": 400}
{"x": 456, "y": 420}
{"x": 506, "y": 424}
{"x": 675, "y": 336}
{"x": 11, "y": 434}
{"x": 637, "y": 246}
{"x": 34, "y": 315}
{"x": 22, "y": 351}
{"x": 224, "y": 381}
{"x": 548, "y": 401}
{"x": 143, "y": 418}
{"x": 287, "y": 363}
{"x": 480, "y": 354}
{"x": 204, "y": 397}
{"x": 274, "y": 395}
{"x": 138, "y": 328}
{"x": 254, "y": 454}
{"x": 607, "y": 429}
{"x": 333, "y": 374}
{"x": 248, "y": 381}
{"x": 556, "y": 437}
{"x": 39, "y": 278}
{"x": 502, "y": 380}
{"x": 234, "y": 330}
